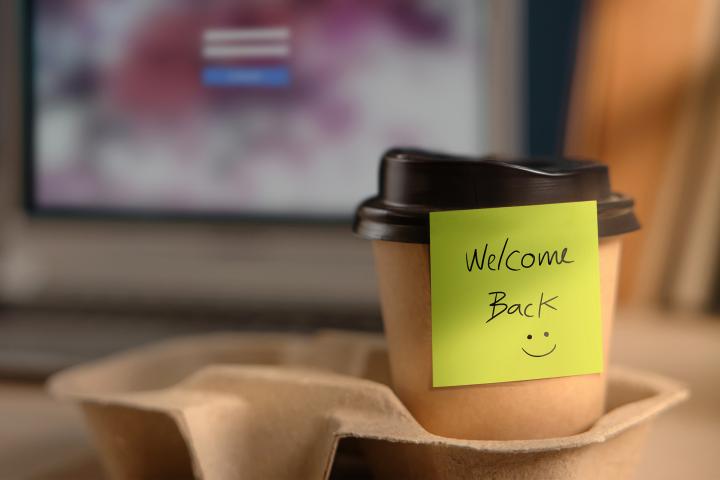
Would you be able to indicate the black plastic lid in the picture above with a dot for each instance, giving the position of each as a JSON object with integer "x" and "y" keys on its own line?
{"x": 416, "y": 182}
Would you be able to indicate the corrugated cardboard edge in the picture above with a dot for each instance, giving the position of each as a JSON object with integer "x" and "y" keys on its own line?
{"x": 169, "y": 386}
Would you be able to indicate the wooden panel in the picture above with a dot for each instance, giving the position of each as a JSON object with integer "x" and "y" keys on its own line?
{"x": 638, "y": 63}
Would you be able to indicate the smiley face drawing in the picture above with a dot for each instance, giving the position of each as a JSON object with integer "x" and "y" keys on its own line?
{"x": 530, "y": 337}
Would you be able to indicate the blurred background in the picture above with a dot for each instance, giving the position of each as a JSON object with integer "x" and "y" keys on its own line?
{"x": 171, "y": 167}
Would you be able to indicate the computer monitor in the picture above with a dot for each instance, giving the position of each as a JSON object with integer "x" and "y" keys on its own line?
{"x": 275, "y": 109}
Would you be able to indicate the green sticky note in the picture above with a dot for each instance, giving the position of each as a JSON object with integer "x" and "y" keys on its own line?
{"x": 515, "y": 293}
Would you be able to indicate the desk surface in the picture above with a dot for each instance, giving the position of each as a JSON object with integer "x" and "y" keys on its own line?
{"x": 43, "y": 439}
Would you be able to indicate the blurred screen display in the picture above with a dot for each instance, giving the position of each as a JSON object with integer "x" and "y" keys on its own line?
{"x": 244, "y": 107}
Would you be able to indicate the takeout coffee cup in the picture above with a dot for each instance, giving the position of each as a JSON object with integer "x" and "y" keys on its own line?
{"x": 414, "y": 183}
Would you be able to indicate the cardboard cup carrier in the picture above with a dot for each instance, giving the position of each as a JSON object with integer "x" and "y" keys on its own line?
{"x": 414, "y": 183}
{"x": 256, "y": 406}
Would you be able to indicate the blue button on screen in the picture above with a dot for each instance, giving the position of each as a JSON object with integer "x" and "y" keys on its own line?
{"x": 246, "y": 77}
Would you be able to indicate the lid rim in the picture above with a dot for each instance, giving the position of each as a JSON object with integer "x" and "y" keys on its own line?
{"x": 416, "y": 229}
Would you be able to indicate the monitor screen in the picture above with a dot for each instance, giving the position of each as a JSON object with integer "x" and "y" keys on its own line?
{"x": 263, "y": 108}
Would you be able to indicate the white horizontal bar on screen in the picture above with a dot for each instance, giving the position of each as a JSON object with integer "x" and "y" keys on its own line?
{"x": 243, "y": 34}
{"x": 246, "y": 51}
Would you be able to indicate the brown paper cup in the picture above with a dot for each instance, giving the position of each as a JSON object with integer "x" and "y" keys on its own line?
{"x": 504, "y": 411}
{"x": 413, "y": 184}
